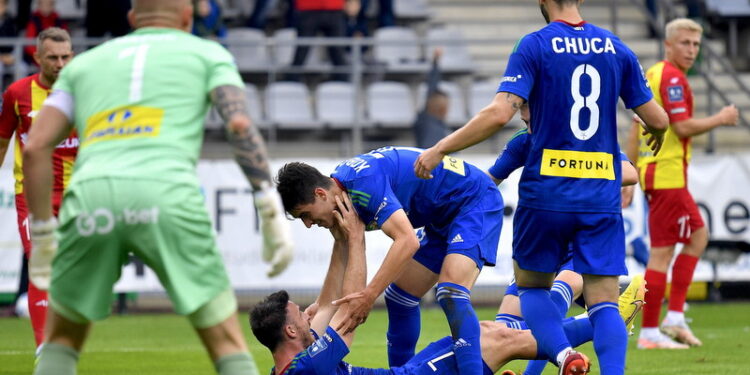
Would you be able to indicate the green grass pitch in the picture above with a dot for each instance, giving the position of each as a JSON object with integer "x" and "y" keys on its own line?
{"x": 165, "y": 344}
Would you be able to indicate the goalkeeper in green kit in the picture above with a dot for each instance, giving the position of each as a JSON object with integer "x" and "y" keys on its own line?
{"x": 138, "y": 104}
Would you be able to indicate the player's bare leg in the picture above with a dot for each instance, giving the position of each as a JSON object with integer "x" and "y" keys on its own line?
{"x": 674, "y": 324}
{"x": 64, "y": 339}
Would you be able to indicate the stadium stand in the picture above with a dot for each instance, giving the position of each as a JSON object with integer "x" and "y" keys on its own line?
{"x": 399, "y": 47}
{"x": 249, "y": 49}
{"x": 390, "y": 104}
{"x": 288, "y": 106}
{"x": 456, "y": 102}
{"x": 335, "y": 104}
{"x": 456, "y": 57}
{"x": 253, "y": 105}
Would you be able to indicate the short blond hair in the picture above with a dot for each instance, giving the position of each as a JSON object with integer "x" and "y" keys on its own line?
{"x": 681, "y": 24}
{"x": 54, "y": 34}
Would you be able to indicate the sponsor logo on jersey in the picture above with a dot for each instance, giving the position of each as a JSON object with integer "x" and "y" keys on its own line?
{"x": 675, "y": 111}
{"x": 675, "y": 93}
{"x": 460, "y": 343}
{"x": 123, "y": 123}
{"x": 577, "y": 164}
{"x": 457, "y": 238}
{"x": 454, "y": 165}
{"x": 582, "y": 46}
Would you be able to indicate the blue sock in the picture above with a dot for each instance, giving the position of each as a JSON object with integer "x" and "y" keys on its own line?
{"x": 511, "y": 321}
{"x": 562, "y": 296}
{"x": 610, "y": 337}
{"x": 403, "y": 325}
{"x": 456, "y": 303}
{"x": 640, "y": 251}
{"x": 578, "y": 332}
{"x": 544, "y": 320}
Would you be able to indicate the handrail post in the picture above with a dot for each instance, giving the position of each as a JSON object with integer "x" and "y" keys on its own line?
{"x": 356, "y": 78}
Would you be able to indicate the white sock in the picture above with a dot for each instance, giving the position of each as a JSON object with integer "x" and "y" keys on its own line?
{"x": 649, "y": 333}
{"x": 674, "y": 318}
{"x": 561, "y": 356}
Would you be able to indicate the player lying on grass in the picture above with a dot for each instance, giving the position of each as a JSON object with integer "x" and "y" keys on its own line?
{"x": 461, "y": 212}
{"x": 304, "y": 344}
{"x": 568, "y": 284}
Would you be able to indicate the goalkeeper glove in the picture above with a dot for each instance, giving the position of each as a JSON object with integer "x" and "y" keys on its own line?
{"x": 43, "y": 250}
{"x": 278, "y": 249}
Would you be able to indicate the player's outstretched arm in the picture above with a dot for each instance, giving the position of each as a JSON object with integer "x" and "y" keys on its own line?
{"x": 484, "y": 124}
{"x": 655, "y": 123}
{"x": 632, "y": 143}
{"x": 250, "y": 153}
{"x": 405, "y": 244}
{"x": 696, "y": 126}
{"x": 50, "y": 127}
{"x": 355, "y": 274}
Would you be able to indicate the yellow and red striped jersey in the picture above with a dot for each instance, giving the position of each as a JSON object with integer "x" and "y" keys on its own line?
{"x": 668, "y": 169}
{"x": 21, "y": 102}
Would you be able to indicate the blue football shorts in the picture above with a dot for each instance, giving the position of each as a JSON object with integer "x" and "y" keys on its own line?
{"x": 541, "y": 241}
{"x": 474, "y": 232}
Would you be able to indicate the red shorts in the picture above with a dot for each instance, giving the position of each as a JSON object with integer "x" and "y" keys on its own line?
{"x": 673, "y": 216}
{"x": 22, "y": 212}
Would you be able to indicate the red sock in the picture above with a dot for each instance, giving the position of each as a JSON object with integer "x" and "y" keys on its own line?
{"x": 682, "y": 275}
{"x": 37, "y": 311}
{"x": 656, "y": 283}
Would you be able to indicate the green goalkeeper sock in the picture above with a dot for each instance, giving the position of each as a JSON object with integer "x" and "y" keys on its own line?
{"x": 236, "y": 364}
{"x": 56, "y": 359}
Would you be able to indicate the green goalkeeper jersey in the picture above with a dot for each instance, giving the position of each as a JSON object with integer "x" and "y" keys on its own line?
{"x": 140, "y": 101}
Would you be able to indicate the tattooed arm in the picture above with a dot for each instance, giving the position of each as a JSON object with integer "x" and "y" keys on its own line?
{"x": 250, "y": 153}
{"x": 484, "y": 124}
{"x": 249, "y": 147}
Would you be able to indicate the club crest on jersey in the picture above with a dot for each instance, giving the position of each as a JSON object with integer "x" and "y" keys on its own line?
{"x": 675, "y": 93}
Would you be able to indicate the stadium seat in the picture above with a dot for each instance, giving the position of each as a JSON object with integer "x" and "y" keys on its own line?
{"x": 412, "y": 9}
{"x": 288, "y": 106}
{"x": 456, "y": 57}
{"x": 390, "y": 104}
{"x": 285, "y": 45}
{"x": 334, "y": 102}
{"x": 399, "y": 48}
{"x": 249, "y": 48}
{"x": 253, "y": 105}
{"x": 480, "y": 95}
{"x": 457, "y": 104}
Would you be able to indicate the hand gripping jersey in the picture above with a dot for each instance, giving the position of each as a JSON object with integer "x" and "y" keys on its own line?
{"x": 383, "y": 181}
{"x": 572, "y": 77}
{"x": 668, "y": 169}
{"x": 139, "y": 108}
{"x": 21, "y": 102}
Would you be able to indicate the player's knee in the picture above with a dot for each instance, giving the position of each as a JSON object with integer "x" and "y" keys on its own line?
{"x": 214, "y": 311}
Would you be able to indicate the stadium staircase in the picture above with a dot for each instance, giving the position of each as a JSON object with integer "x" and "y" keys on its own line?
{"x": 493, "y": 26}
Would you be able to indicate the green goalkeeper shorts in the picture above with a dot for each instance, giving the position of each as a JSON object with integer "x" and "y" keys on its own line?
{"x": 165, "y": 224}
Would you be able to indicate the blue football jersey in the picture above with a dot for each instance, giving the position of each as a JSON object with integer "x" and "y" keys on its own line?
{"x": 325, "y": 357}
{"x": 515, "y": 153}
{"x": 383, "y": 181}
{"x": 573, "y": 77}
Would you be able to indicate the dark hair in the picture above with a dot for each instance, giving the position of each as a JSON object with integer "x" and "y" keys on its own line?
{"x": 296, "y": 183}
{"x": 268, "y": 317}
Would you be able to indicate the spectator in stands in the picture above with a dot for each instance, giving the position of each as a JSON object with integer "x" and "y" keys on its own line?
{"x": 7, "y": 30}
{"x": 262, "y": 8}
{"x": 45, "y": 16}
{"x": 326, "y": 17}
{"x": 23, "y": 12}
{"x": 429, "y": 126}
{"x": 385, "y": 17}
{"x": 207, "y": 22}
{"x": 109, "y": 16}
